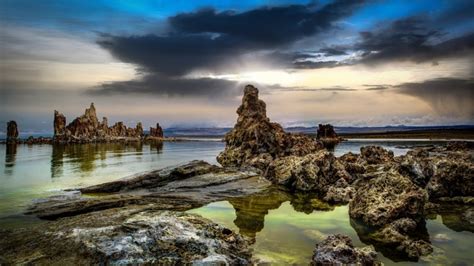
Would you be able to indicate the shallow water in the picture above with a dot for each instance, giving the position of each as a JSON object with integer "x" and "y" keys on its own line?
{"x": 284, "y": 228}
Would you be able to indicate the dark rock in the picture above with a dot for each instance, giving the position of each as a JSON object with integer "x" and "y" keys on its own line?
{"x": 339, "y": 250}
{"x": 327, "y": 135}
{"x": 132, "y": 235}
{"x": 397, "y": 234}
{"x": 376, "y": 154}
{"x": 255, "y": 141}
{"x": 12, "y": 132}
{"x": 156, "y": 132}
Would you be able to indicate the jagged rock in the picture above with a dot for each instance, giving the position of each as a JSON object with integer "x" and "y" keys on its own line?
{"x": 376, "y": 154}
{"x": 341, "y": 192}
{"x": 132, "y": 235}
{"x": 254, "y": 135}
{"x": 314, "y": 171}
{"x": 384, "y": 196}
{"x": 59, "y": 124}
{"x": 87, "y": 128}
{"x": 12, "y": 132}
{"x": 339, "y": 250}
{"x": 156, "y": 132}
{"x": 327, "y": 135}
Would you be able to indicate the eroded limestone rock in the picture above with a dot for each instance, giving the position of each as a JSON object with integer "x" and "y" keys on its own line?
{"x": 87, "y": 128}
{"x": 132, "y": 235}
{"x": 255, "y": 141}
{"x": 384, "y": 196}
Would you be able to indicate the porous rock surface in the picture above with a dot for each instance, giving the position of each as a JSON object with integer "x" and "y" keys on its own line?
{"x": 255, "y": 141}
{"x": 339, "y": 250}
{"x": 132, "y": 235}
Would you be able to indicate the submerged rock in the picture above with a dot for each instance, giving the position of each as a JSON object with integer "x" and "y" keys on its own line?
{"x": 397, "y": 235}
{"x": 12, "y": 132}
{"x": 132, "y": 235}
{"x": 255, "y": 141}
{"x": 339, "y": 250}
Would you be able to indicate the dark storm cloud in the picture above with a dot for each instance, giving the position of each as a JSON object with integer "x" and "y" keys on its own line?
{"x": 268, "y": 26}
{"x": 172, "y": 87}
{"x": 330, "y": 51}
{"x": 307, "y": 64}
{"x": 208, "y": 40}
{"x": 452, "y": 96}
{"x": 412, "y": 40}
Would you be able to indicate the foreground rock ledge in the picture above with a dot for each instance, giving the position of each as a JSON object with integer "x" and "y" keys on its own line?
{"x": 132, "y": 235}
{"x": 180, "y": 188}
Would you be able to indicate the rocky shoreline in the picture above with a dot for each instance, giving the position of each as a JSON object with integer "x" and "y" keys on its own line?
{"x": 389, "y": 198}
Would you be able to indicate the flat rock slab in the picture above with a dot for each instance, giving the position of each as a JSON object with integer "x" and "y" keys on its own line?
{"x": 178, "y": 188}
{"x": 136, "y": 234}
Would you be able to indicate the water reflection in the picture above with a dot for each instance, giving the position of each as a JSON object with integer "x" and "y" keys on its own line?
{"x": 251, "y": 210}
{"x": 86, "y": 157}
{"x": 10, "y": 156}
{"x": 456, "y": 217}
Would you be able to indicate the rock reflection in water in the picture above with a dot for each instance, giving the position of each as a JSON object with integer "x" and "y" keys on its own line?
{"x": 84, "y": 157}
{"x": 10, "y": 156}
{"x": 456, "y": 217}
{"x": 251, "y": 211}
{"x": 367, "y": 236}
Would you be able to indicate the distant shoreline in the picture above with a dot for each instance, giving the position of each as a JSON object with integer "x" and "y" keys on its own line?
{"x": 438, "y": 134}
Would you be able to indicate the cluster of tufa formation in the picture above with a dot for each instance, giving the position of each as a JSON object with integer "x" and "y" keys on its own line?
{"x": 327, "y": 135}
{"x": 255, "y": 141}
{"x": 87, "y": 128}
{"x": 388, "y": 193}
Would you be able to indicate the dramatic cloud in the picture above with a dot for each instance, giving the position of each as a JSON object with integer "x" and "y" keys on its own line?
{"x": 207, "y": 40}
{"x": 268, "y": 26}
{"x": 447, "y": 96}
{"x": 172, "y": 87}
{"x": 411, "y": 40}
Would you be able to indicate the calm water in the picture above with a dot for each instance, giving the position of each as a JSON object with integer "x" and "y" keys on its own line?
{"x": 284, "y": 227}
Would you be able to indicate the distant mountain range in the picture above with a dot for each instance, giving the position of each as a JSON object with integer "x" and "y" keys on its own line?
{"x": 217, "y": 132}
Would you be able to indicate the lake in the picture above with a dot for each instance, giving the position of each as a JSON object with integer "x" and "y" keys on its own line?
{"x": 284, "y": 228}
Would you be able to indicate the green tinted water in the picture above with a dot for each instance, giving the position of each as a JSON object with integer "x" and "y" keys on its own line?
{"x": 284, "y": 229}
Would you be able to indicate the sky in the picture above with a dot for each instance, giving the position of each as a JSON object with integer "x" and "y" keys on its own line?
{"x": 185, "y": 63}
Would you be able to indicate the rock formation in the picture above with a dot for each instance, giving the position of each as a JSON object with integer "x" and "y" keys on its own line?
{"x": 132, "y": 235}
{"x": 87, "y": 128}
{"x": 339, "y": 250}
{"x": 12, "y": 132}
{"x": 156, "y": 132}
{"x": 255, "y": 141}
{"x": 327, "y": 135}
